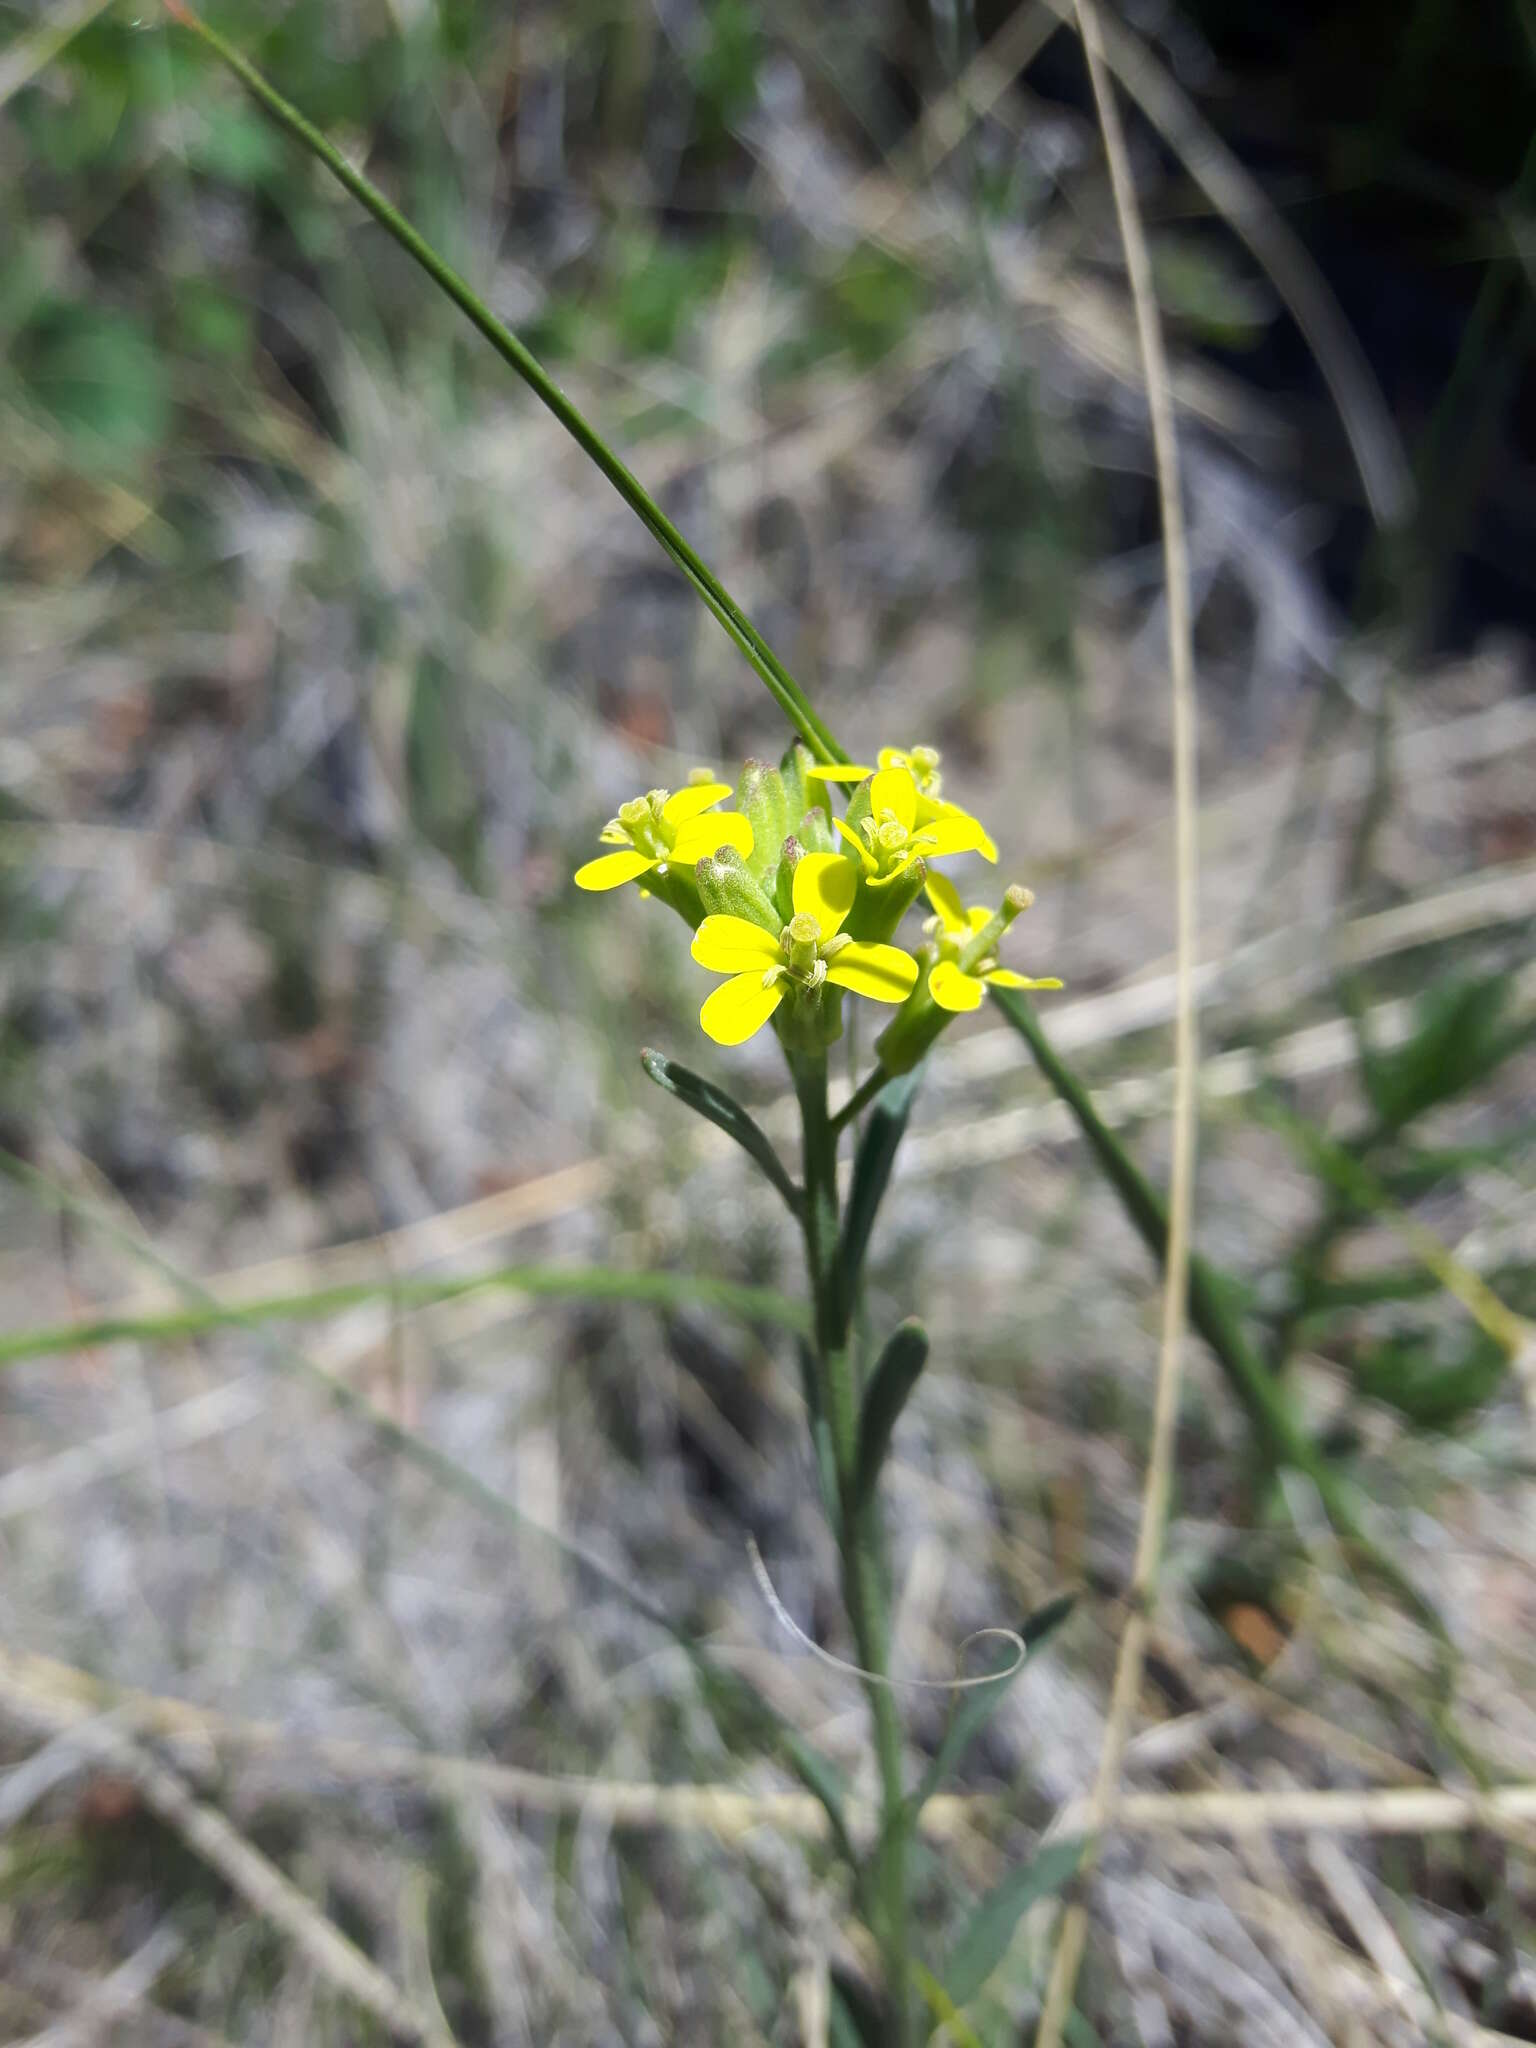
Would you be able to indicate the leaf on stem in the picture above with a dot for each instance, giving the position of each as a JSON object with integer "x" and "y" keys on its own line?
{"x": 897, "y": 1373}
{"x": 983, "y": 1940}
{"x": 726, "y": 1114}
{"x": 872, "y": 1171}
{"x": 976, "y": 1706}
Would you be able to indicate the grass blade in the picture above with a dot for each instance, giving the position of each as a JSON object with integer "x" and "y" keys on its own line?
{"x": 787, "y": 693}
{"x": 555, "y": 1283}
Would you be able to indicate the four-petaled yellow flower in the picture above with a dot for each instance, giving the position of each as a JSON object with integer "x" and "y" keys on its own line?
{"x": 658, "y": 829}
{"x": 952, "y": 986}
{"x": 891, "y": 838}
{"x": 809, "y": 951}
{"x": 922, "y": 764}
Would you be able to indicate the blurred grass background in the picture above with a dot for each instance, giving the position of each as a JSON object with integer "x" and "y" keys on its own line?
{"x": 325, "y": 659}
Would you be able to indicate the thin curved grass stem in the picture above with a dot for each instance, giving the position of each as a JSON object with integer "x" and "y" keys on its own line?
{"x": 1154, "y": 1506}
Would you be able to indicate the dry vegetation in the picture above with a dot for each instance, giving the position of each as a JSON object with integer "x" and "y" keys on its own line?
{"x": 324, "y": 657}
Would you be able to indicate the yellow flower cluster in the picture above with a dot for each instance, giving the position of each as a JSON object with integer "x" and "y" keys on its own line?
{"x": 788, "y": 915}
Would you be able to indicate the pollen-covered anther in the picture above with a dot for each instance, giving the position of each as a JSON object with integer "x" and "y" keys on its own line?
{"x": 891, "y": 834}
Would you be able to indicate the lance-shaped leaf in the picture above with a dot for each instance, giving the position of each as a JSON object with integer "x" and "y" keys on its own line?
{"x": 983, "y": 1941}
{"x": 897, "y": 1373}
{"x": 726, "y": 1114}
{"x": 872, "y": 1170}
{"x": 976, "y": 1706}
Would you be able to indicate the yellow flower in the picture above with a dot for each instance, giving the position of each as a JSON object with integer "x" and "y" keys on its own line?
{"x": 658, "y": 830}
{"x": 922, "y": 764}
{"x": 892, "y": 836}
{"x": 952, "y": 986}
{"x": 810, "y": 951}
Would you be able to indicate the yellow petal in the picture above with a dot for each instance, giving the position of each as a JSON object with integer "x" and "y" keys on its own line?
{"x": 731, "y": 945}
{"x": 740, "y": 1006}
{"x": 884, "y": 973}
{"x": 865, "y": 858}
{"x": 1004, "y": 977}
{"x": 836, "y": 771}
{"x": 893, "y": 789}
{"x": 824, "y": 888}
{"x": 952, "y": 989}
{"x": 684, "y": 804}
{"x": 707, "y": 835}
{"x": 610, "y": 870}
{"x": 945, "y": 898}
{"x": 914, "y": 852}
{"x": 976, "y": 917}
{"x": 952, "y": 833}
{"x": 984, "y": 843}
{"x": 894, "y": 757}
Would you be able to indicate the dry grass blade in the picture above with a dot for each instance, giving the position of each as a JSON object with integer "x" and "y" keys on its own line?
{"x": 110, "y": 2002}
{"x": 1154, "y": 1506}
{"x": 226, "y": 1851}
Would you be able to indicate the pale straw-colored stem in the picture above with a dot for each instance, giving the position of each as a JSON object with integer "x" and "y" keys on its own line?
{"x": 1154, "y": 1506}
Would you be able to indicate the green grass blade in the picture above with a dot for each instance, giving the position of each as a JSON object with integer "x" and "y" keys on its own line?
{"x": 1269, "y": 1409}
{"x": 787, "y": 693}
{"x": 576, "y": 1283}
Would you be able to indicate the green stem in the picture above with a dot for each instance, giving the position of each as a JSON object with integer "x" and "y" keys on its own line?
{"x": 791, "y": 699}
{"x": 858, "y": 1533}
{"x": 871, "y": 1085}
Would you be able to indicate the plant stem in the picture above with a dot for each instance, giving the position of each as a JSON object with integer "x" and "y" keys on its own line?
{"x": 858, "y": 1530}
{"x": 871, "y": 1085}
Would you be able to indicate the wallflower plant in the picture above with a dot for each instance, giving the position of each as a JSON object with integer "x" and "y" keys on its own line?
{"x": 799, "y": 909}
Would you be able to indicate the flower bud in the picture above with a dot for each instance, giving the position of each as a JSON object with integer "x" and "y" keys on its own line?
{"x": 728, "y": 889}
{"x": 763, "y": 801}
{"x": 800, "y": 792}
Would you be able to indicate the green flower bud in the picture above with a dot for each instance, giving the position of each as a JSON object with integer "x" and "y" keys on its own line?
{"x": 800, "y": 792}
{"x": 727, "y": 888}
{"x": 764, "y": 802}
{"x": 781, "y": 883}
{"x": 815, "y": 833}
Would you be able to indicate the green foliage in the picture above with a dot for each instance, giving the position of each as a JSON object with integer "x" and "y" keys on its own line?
{"x": 979, "y": 1703}
{"x": 100, "y": 377}
{"x": 890, "y": 1386}
{"x": 712, "y": 1103}
{"x": 872, "y": 1163}
{"x": 1460, "y": 1039}
{"x": 983, "y": 1941}
{"x": 1433, "y": 1382}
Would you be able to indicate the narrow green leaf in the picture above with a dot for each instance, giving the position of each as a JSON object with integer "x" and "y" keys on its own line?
{"x": 745, "y": 1718}
{"x": 788, "y": 694}
{"x": 578, "y": 1283}
{"x": 1432, "y": 1391}
{"x": 897, "y": 1373}
{"x": 1212, "y": 1295}
{"x": 983, "y": 1941}
{"x": 726, "y": 1114}
{"x": 872, "y": 1171}
{"x": 976, "y": 1706}
{"x": 1460, "y": 1038}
